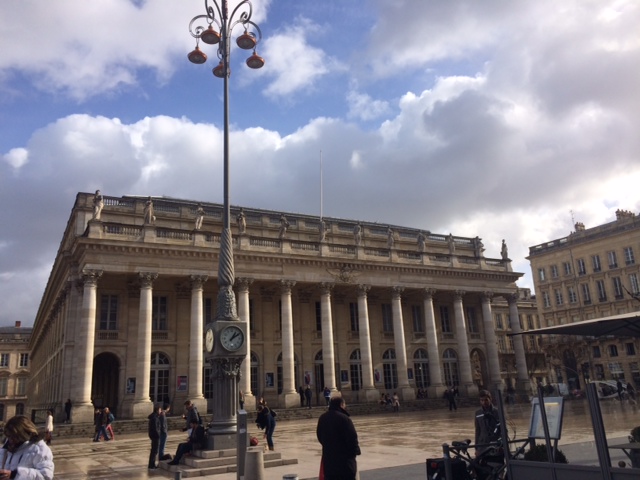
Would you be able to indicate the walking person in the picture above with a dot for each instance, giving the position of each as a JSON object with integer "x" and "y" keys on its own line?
{"x": 48, "y": 429}
{"x": 267, "y": 422}
{"x": 24, "y": 455}
{"x": 108, "y": 420}
{"x": 339, "y": 439}
{"x": 154, "y": 436}
{"x": 67, "y": 411}
{"x": 396, "y": 402}
{"x": 307, "y": 395}
{"x": 301, "y": 393}
{"x": 164, "y": 432}
{"x": 451, "y": 398}
{"x": 327, "y": 395}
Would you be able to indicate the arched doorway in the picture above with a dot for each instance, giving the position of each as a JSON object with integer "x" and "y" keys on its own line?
{"x": 105, "y": 382}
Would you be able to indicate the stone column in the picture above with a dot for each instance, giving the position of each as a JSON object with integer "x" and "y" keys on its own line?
{"x": 289, "y": 392}
{"x": 245, "y": 369}
{"x": 196, "y": 354}
{"x": 328, "y": 357}
{"x": 464, "y": 359}
{"x": 142, "y": 404}
{"x": 406, "y": 392}
{"x": 83, "y": 408}
{"x": 495, "y": 379}
{"x": 523, "y": 386}
{"x": 436, "y": 388}
{"x": 368, "y": 384}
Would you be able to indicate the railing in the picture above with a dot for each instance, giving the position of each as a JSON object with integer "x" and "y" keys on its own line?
{"x": 127, "y": 230}
{"x": 376, "y": 252}
{"x": 264, "y": 242}
{"x": 307, "y": 246}
{"x": 108, "y": 335}
{"x": 410, "y": 255}
{"x": 344, "y": 249}
{"x": 174, "y": 234}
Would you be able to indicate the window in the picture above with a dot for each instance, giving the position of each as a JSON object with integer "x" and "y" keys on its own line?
{"x": 502, "y": 344}
{"x": 499, "y": 321}
{"x": 251, "y": 319}
{"x": 628, "y": 256}
{"x": 389, "y": 369}
{"x": 602, "y": 293}
{"x": 530, "y": 325}
{"x": 554, "y": 271}
{"x": 4, "y": 360}
{"x": 613, "y": 261}
{"x": 567, "y": 268}
{"x": 541, "y": 275}
{"x": 613, "y": 350}
{"x": 208, "y": 310}
{"x": 595, "y": 261}
{"x": 450, "y": 367}
{"x": 582, "y": 268}
{"x": 546, "y": 300}
{"x": 3, "y": 387}
{"x": 571, "y": 293}
{"x": 596, "y": 351}
{"x": 599, "y": 370}
{"x": 159, "y": 377}
{"x": 355, "y": 368}
{"x": 558, "y": 295}
{"x": 630, "y": 348}
{"x": 255, "y": 374}
{"x": 633, "y": 280}
{"x": 416, "y": 315}
{"x": 472, "y": 321}
{"x": 24, "y": 360}
{"x": 586, "y": 294}
{"x": 19, "y": 409}
{"x": 108, "y": 312}
{"x": 318, "y": 317}
{"x": 444, "y": 319}
{"x": 617, "y": 287}
{"x": 21, "y": 386}
{"x": 387, "y": 318}
{"x": 159, "y": 314}
{"x": 353, "y": 316}
{"x": 421, "y": 368}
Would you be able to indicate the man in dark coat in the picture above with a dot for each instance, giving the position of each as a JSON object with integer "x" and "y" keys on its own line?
{"x": 154, "y": 435}
{"x": 197, "y": 439}
{"x": 339, "y": 441}
{"x": 307, "y": 396}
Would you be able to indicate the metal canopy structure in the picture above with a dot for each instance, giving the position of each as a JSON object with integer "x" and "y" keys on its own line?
{"x": 623, "y": 325}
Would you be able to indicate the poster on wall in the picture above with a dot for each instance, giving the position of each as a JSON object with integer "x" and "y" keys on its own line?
{"x": 181, "y": 383}
{"x": 307, "y": 377}
{"x": 376, "y": 375}
{"x": 131, "y": 385}
{"x": 268, "y": 381}
{"x": 344, "y": 376}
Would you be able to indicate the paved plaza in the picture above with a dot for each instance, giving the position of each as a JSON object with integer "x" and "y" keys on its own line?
{"x": 393, "y": 445}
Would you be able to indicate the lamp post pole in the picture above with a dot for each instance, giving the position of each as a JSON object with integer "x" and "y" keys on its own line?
{"x": 225, "y": 337}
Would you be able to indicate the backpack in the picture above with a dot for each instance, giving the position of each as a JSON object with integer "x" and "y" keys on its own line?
{"x": 273, "y": 413}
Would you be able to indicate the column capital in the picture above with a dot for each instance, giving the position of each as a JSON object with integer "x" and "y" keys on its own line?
{"x": 286, "y": 286}
{"x": 363, "y": 290}
{"x": 326, "y": 287}
{"x": 147, "y": 278}
{"x": 197, "y": 281}
{"x": 428, "y": 293}
{"x": 244, "y": 283}
{"x": 91, "y": 277}
{"x": 487, "y": 296}
{"x": 513, "y": 297}
{"x": 458, "y": 294}
{"x": 396, "y": 292}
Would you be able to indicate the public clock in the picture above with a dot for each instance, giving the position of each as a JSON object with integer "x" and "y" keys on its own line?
{"x": 232, "y": 338}
{"x": 208, "y": 340}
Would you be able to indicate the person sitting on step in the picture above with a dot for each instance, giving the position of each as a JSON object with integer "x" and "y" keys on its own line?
{"x": 197, "y": 439}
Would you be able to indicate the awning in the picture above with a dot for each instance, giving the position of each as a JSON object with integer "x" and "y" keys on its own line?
{"x": 624, "y": 325}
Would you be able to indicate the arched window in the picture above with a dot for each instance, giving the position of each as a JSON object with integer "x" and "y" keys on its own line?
{"x": 450, "y": 366}
{"x": 159, "y": 381}
{"x": 355, "y": 369}
{"x": 421, "y": 368}
{"x": 389, "y": 369}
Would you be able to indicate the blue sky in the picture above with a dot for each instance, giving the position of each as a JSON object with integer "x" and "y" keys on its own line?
{"x": 498, "y": 119}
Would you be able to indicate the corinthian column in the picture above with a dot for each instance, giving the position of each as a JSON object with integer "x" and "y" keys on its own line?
{"x": 83, "y": 411}
{"x": 368, "y": 385}
{"x": 196, "y": 355}
{"x": 406, "y": 391}
{"x": 436, "y": 388}
{"x": 464, "y": 359}
{"x": 522, "y": 377}
{"x": 245, "y": 369}
{"x": 291, "y": 397}
{"x": 141, "y": 402}
{"x": 495, "y": 378}
{"x": 328, "y": 358}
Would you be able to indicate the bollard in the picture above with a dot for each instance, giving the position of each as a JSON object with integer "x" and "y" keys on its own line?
{"x": 254, "y": 464}
{"x": 290, "y": 476}
{"x": 178, "y": 475}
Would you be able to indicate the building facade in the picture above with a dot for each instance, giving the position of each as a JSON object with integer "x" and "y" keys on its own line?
{"x": 14, "y": 370}
{"x": 589, "y": 274}
{"x": 358, "y": 307}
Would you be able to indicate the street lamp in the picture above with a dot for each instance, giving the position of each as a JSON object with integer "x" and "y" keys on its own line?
{"x": 225, "y": 338}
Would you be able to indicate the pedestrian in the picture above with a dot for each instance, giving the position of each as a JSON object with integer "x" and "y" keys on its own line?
{"x": 67, "y": 411}
{"x": 339, "y": 439}
{"x": 108, "y": 420}
{"x": 327, "y": 395}
{"x": 154, "y": 435}
{"x": 267, "y": 422}
{"x": 101, "y": 426}
{"x": 241, "y": 399}
{"x": 396, "y": 402}
{"x": 24, "y": 455}
{"x": 301, "y": 393}
{"x": 191, "y": 414}
{"x": 164, "y": 432}
{"x": 307, "y": 396}
{"x": 487, "y": 424}
{"x": 196, "y": 440}
{"x": 451, "y": 398}
{"x": 620, "y": 389}
{"x": 48, "y": 429}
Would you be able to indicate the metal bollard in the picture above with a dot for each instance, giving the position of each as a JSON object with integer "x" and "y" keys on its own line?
{"x": 290, "y": 476}
{"x": 178, "y": 475}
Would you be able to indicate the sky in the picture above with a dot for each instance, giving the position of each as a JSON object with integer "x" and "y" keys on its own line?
{"x": 500, "y": 119}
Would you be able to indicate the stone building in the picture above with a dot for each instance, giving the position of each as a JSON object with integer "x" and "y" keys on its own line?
{"x": 589, "y": 274}
{"x": 368, "y": 308}
{"x": 14, "y": 370}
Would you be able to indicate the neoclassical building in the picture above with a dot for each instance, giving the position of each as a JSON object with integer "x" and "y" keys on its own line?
{"x": 359, "y": 307}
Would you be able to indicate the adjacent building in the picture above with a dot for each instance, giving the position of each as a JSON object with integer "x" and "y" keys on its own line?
{"x": 591, "y": 273}
{"x": 359, "y": 307}
{"x": 14, "y": 370}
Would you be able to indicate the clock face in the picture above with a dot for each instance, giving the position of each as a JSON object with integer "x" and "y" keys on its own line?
{"x": 232, "y": 338}
{"x": 208, "y": 340}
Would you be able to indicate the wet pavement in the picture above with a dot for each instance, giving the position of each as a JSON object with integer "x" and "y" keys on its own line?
{"x": 393, "y": 445}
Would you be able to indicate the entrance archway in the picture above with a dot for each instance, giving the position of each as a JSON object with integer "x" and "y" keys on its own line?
{"x": 105, "y": 384}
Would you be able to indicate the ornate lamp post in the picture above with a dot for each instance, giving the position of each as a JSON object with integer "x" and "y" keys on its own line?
{"x": 225, "y": 338}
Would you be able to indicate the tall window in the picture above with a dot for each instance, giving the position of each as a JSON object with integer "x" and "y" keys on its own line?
{"x": 108, "y": 312}
{"x": 499, "y": 321}
{"x": 353, "y": 317}
{"x": 546, "y": 300}
{"x": 630, "y": 348}
{"x": 207, "y": 384}
{"x": 24, "y": 360}
{"x": 19, "y": 409}
{"x": 613, "y": 261}
{"x": 159, "y": 381}
{"x": 530, "y": 325}
{"x": 633, "y": 280}
{"x": 617, "y": 287}
{"x": 4, "y": 360}
{"x": 602, "y": 293}
{"x": 3, "y": 387}
{"x": 613, "y": 350}
{"x": 255, "y": 373}
{"x": 502, "y": 344}
{"x": 387, "y": 318}
{"x": 596, "y": 351}
{"x": 573, "y": 297}
{"x": 389, "y": 369}
{"x": 21, "y": 386}
{"x": 450, "y": 367}
{"x": 567, "y": 268}
{"x": 582, "y": 268}
{"x": 558, "y": 294}
{"x": 355, "y": 368}
{"x": 472, "y": 321}
{"x": 541, "y": 275}
{"x": 159, "y": 313}
{"x": 586, "y": 293}
{"x": 628, "y": 256}
{"x": 318, "y": 317}
{"x": 554, "y": 271}
{"x": 444, "y": 319}
{"x": 207, "y": 304}
{"x": 595, "y": 261}
{"x": 421, "y": 368}
{"x": 251, "y": 319}
{"x": 416, "y": 315}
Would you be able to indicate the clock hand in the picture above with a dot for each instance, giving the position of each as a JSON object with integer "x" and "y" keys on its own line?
{"x": 234, "y": 335}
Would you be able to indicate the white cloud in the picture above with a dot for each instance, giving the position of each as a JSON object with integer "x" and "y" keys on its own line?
{"x": 16, "y": 157}
{"x": 364, "y": 107}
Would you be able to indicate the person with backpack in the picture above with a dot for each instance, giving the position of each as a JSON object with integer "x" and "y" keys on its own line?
{"x": 266, "y": 420}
